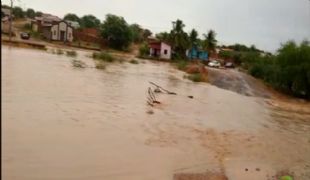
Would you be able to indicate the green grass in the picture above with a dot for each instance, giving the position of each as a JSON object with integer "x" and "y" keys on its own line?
{"x": 71, "y": 53}
{"x": 134, "y": 61}
{"x": 103, "y": 56}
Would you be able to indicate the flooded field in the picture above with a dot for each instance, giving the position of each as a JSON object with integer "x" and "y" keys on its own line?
{"x": 61, "y": 122}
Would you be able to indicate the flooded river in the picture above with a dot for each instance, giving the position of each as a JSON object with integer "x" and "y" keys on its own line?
{"x": 61, "y": 122}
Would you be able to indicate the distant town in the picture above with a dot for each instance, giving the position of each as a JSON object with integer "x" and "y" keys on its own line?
{"x": 114, "y": 32}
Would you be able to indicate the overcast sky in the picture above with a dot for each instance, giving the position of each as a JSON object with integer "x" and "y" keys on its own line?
{"x": 265, "y": 23}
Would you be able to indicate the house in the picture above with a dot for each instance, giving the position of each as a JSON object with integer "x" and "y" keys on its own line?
{"x": 159, "y": 49}
{"x": 44, "y": 22}
{"x": 61, "y": 31}
{"x": 53, "y": 28}
{"x": 197, "y": 53}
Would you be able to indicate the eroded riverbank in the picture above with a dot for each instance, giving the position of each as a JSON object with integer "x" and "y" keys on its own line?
{"x": 60, "y": 122}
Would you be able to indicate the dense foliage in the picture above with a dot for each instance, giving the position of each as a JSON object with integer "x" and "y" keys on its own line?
{"x": 72, "y": 17}
{"x": 209, "y": 43}
{"x": 30, "y": 13}
{"x": 137, "y": 33}
{"x": 193, "y": 37}
{"x": 288, "y": 70}
{"x": 144, "y": 50}
{"x": 116, "y": 31}
{"x": 18, "y": 12}
{"x": 39, "y": 13}
{"x": 89, "y": 21}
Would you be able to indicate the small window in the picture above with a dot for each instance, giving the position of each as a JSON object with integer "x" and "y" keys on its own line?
{"x": 165, "y": 51}
{"x": 54, "y": 32}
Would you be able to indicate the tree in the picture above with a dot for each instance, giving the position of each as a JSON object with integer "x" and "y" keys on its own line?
{"x": 137, "y": 33}
{"x": 288, "y": 70}
{"x": 146, "y": 34}
{"x": 39, "y": 13}
{"x": 18, "y": 12}
{"x": 253, "y": 48}
{"x": 71, "y": 17}
{"x": 90, "y": 21}
{"x": 163, "y": 36}
{"x": 193, "y": 37}
{"x": 210, "y": 41}
{"x": 179, "y": 39}
{"x": 116, "y": 31}
{"x": 30, "y": 13}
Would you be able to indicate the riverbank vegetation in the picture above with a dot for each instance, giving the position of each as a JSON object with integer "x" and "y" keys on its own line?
{"x": 288, "y": 70}
{"x": 103, "y": 56}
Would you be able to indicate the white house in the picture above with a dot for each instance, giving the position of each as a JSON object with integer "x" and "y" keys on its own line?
{"x": 61, "y": 31}
{"x": 160, "y": 50}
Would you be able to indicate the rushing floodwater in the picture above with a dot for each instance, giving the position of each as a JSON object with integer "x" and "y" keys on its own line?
{"x": 61, "y": 122}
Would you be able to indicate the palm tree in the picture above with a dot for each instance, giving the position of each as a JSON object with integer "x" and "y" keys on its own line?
{"x": 193, "y": 37}
{"x": 179, "y": 38}
{"x": 210, "y": 41}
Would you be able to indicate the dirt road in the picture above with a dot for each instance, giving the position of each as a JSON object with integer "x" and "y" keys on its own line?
{"x": 234, "y": 80}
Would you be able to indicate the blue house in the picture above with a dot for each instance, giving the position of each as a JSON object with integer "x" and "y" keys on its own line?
{"x": 196, "y": 53}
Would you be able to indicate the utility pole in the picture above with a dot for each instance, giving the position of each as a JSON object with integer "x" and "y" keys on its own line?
{"x": 10, "y": 20}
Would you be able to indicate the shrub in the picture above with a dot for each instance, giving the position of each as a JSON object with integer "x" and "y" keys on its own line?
{"x": 104, "y": 56}
{"x": 71, "y": 53}
{"x": 144, "y": 50}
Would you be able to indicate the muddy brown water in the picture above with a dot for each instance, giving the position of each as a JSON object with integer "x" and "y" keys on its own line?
{"x": 61, "y": 122}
